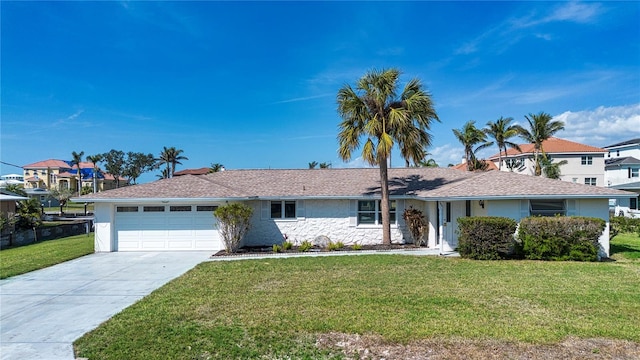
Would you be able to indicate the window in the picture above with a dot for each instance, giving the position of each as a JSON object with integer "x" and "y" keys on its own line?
{"x": 590, "y": 181}
{"x": 634, "y": 173}
{"x": 127, "y": 209}
{"x": 180, "y": 208}
{"x": 369, "y": 212}
{"x": 153, "y": 209}
{"x": 587, "y": 160}
{"x": 633, "y": 204}
{"x": 547, "y": 207}
{"x": 206, "y": 208}
{"x": 283, "y": 209}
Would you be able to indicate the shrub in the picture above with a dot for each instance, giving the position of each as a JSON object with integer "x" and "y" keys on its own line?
{"x": 486, "y": 238}
{"x": 624, "y": 224}
{"x": 356, "y": 247}
{"x": 287, "y": 245}
{"x": 416, "y": 223}
{"x": 305, "y": 246}
{"x": 276, "y": 248}
{"x": 233, "y": 222}
{"x": 335, "y": 246}
{"x": 561, "y": 238}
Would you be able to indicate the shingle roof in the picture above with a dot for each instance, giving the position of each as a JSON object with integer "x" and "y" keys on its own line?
{"x": 553, "y": 145}
{"x": 616, "y": 162}
{"x": 51, "y": 163}
{"x": 628, "y": 142}
{"x": 435, "y": 183}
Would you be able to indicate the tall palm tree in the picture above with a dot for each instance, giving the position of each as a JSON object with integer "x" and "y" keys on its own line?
{"x": 171, "y": 157}
{"x": 94, "y": 159}
{"x": 541, "y": 127}
{"x": 374, "y": 112}
{"x": 76, "y": 159}
{"x": 501, "y": 131}
{"x": 470, "y": 136}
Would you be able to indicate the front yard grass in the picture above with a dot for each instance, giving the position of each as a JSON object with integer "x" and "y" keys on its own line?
{"x": 23, "y": 259}
{"x": 280, "y": 308}
{"x": 625, "y": 246}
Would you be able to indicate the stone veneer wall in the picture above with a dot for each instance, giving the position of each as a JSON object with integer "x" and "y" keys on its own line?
{"x": 322, "y": 217}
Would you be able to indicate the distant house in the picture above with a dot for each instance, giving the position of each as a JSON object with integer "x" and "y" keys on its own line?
{"x": 52, "y": 173}
{"x": 343, "y": 204}
{"x": 622, "y": 171}
{"x": 11, "y": 179}
{"x": 585, "y": 163}
{"x": 200, "y": 171}
{"x": 8, "y": 203}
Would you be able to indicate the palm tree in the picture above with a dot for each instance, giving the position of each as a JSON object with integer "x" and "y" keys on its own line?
{"x": 373, "y": 111}
{"x": 313, "y": 164}
{"x": 551, "y": 169}
{"x": 324, "y": 165}
{"x": 94, "y": 159}
{"x": 76, "y": 159}
{"x": 470, "y": 136}
{"x": 427, "y": 163}
{"x": 171, "y": 157}
{"x": 501, "y": 131}
{"x": 541, "y": 127}
{"x": 215, "y": 167}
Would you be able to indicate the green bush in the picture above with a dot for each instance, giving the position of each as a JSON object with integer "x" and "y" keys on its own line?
{"x": 561, "y": 238}
{"x": 356, "y": 247}
{"x": 276, "y": 248}
{"x": 624, "y": 224}
{"x": 486, "y": 238}
{"x": 287, "y": 245}
{"x": 233, "y": 223}
{"x": 305, "y": 246}
{"x": 333, "y": 246}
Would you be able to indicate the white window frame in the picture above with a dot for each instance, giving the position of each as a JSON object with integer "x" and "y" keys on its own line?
{"x": 590, "y": 181}
{"x": 586, "y": 160}
{"x": 634, "y": 173}
{"x": 393, "y": 209}
{"x": 283, "y": 212}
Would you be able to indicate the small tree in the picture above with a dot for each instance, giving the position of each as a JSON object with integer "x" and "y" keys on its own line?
{"x": 416, "y": 223}
{"x": 61, "y": 194}
{"x": 233, "y": 223}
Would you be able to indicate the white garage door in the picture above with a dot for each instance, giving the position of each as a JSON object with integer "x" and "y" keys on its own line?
{"x": 166, "y": 228}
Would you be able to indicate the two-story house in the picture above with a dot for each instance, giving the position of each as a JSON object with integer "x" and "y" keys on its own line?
{"x": 42, "y": 176}
{"x": 585, "y": 163}
{"x": 622, "y": 171}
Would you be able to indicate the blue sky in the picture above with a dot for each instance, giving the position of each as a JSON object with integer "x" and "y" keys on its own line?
{"x": 253, "y": 84}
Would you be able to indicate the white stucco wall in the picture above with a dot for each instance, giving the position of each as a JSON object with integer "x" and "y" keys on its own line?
{"x": 321, "y": 217}
{"x": 103, "y": 227}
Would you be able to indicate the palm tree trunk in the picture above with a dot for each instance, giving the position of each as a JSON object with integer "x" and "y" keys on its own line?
{"x": 384, "y": 203}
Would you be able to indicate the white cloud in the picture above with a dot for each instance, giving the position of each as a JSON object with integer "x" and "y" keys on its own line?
{"x": 447, "y": 154}
{"x": 575, "y": 12}
{"x": 602, "y": 126}
{"x": 303, "y": 98}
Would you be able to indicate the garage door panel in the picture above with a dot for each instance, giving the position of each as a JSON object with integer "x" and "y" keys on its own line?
{"x": 170, "y": 230}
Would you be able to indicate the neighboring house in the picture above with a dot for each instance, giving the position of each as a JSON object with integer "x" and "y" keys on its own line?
{"x": 8, "y": 203}
{"x": 585, "y": 163}
{"x": 622, "y": 171}
{"x": 11, "y": 179}
{"x": 49, "y": 174}
{"x": 463, "y": 166}
{"x": 343, "y": 204}
{"x": 200, "y": 171}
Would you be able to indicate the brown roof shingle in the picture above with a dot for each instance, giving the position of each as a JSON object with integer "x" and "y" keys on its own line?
{"x": 435, "y": 183}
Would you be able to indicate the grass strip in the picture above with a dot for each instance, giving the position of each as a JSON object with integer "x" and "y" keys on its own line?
{"x": 23, "y": 259}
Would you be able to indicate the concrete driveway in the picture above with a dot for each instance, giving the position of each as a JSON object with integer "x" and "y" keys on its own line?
{"x": 43, "y": 312}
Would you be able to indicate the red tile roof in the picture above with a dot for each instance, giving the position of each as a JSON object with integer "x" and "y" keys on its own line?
{"x": 51, "y": 163}
{"x": 428, "y": 183}
{"x": 200, "y": 171}
{"x": 463, "y": 166}
{"x": 551, "y": 146}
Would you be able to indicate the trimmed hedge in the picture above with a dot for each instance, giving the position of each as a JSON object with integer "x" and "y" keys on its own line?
{"x": 560, "y": 238}
{"x": 625, "y": 225}
{"x": 486, "y": 238}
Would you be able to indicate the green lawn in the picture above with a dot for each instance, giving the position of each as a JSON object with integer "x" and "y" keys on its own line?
{"x": 625, "y": 246}
{"x": 277, "y": 308}
{"x": 36, "y": 256}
